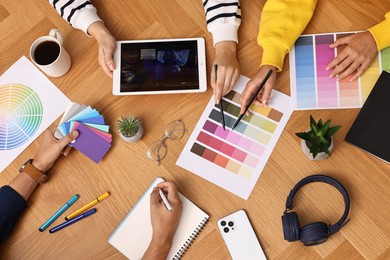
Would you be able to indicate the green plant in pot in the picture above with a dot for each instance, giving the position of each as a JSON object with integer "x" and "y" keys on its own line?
{"x": 130, "y": 128}
{"x": 317, "y": 143}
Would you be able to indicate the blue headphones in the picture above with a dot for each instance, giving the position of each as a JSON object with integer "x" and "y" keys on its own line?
{"x": 317, "y": 232}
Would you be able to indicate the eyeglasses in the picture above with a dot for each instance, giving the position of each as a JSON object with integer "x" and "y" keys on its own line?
{"x": 158, "y": 150}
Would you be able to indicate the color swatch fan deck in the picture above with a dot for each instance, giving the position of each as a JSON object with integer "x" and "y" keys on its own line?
{"x": 311, "y": 87}
{"x": 234, "y": 159}
{"x": 94, "y": 139}
{"x": 29, "y": 103}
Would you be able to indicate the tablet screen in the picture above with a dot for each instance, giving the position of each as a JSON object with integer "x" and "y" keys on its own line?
{"x": 159, "y": 66}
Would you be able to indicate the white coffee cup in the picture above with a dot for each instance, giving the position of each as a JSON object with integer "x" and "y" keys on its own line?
{"x": 49, "y": 55}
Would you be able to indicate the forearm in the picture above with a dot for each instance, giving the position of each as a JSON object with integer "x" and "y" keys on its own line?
{"x": 223, "y": 19}
{"x": 157, "y": 250}
{"x": 381, "y": 33}
{"x": 80, "y": 13}
{"x": 281, "y": 24}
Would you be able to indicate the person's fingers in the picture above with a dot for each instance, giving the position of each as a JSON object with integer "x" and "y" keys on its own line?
{"x": 352, "y": 68}
{"x": 341, "y": 41}
{"x": 108, "y": 53}
{"x": 170, "y": 189}
{"x": 66, "y": 150}
{"x": 155, "y": 197}
{"x": 68, "y": 138}
{"x": 361, "y": 70}
{"x": 228, "y": 83}
{"x": 103, "y": 63}
{"x": 266, "y": 94}
{"x": 247, "y": 95}
{"x": 336, "y": 61}
{"x": 341, "y": 67}
{"x": 220, "y": 83}
{"x": 212, "y": 79}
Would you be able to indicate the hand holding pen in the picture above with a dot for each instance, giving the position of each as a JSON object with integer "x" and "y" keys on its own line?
{"x": 251, "y": 87}
{"x": 164, "y": 222}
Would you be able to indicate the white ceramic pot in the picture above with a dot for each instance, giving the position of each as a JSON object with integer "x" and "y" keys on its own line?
{"x": 134, "y": 138}
{"x": 320, "y": 156}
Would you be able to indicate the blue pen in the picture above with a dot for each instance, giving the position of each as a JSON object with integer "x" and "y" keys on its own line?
{"x": 59, "y": 212}
{"x": 73, "y": 220}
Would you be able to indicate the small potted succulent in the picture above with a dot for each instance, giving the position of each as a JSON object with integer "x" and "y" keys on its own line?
{"x": 130, "y": 128}
{"x": 317, "y": 142}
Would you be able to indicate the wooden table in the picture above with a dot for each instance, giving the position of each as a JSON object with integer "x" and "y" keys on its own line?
{"x": 126, "y": 173}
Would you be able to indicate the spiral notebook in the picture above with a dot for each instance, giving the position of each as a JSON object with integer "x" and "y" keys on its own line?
{"x": 133, "y": 235}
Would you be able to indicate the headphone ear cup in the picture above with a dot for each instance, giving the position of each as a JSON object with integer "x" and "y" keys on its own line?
{"x": 290, "y": 225}
{"x": 314, "y": 233}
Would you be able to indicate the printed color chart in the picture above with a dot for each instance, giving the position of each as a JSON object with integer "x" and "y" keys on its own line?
{"x": 311, "y": 87}
{"x": 20, "y": 115}
{"x": 29, "y": 103}
{"x": 235, "y": 159}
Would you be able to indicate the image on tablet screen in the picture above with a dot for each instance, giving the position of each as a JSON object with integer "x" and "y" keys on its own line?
{"x": 159, "y": 66}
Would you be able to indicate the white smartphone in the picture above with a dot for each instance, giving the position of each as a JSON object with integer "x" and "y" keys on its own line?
{"x": 163, "y": 66}
{"x": 239, "y": 237}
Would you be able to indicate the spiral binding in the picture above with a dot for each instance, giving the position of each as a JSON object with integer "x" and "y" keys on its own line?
{"x": 189, "y": 241}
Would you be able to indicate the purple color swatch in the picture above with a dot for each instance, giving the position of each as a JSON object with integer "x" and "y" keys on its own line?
{"x": 326, "y": 87}
{"x": 234, "y": 138}
{"x": 90, "y": 143}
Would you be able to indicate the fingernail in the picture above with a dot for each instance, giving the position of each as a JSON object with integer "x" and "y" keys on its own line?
{"x": 327, "y": 68}
{"x": 331, "y": 76}
{"x": 111, "y": 67}
{"x": 75, "y": 134}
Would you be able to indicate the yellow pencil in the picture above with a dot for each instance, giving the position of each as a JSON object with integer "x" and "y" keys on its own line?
{"x": 87, "y": 206}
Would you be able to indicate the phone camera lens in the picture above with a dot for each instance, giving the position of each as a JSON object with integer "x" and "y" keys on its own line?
{"x": 223, "y": 223}
{"x": 230, "y": 223}
{"x": 226, "y": 229}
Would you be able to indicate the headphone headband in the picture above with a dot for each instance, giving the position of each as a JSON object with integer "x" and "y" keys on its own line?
{"x": 329, "y": 180}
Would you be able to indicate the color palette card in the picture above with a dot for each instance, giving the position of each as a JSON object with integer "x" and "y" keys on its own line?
{"x": 94, "y": 139}
{"x": 235, "y": 159}
{"x": 311, "y": 87}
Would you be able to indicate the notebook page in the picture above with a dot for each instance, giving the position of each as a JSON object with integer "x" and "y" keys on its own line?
{"x": 133, "y": 235}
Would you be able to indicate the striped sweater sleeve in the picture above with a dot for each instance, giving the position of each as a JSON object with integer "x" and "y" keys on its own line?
{"x": 80, "y": 14}
{"x": 223, "y": 18}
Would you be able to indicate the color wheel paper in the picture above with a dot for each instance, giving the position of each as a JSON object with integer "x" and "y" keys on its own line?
{"x": 29, "y": 103}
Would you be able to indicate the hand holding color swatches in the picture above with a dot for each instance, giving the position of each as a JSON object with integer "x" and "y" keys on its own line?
{"x": 94, "y": 139}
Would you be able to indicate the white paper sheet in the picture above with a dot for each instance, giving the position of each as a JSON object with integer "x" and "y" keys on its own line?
{"x": 29, "y": 103}
{"x": 242, "y": 153}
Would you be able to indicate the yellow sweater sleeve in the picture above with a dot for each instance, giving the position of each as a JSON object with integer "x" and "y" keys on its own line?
{"x": 381, "y": 33}
{"x": 281, "y": 23}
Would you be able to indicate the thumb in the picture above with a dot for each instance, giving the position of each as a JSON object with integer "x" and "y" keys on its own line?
{"x": 341, "y": 41}
{"x": 69, "y": 138}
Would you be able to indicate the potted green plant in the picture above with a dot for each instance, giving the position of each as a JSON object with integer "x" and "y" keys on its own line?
{"x": 130, "y": 128}
{"x": 317, "y": 142}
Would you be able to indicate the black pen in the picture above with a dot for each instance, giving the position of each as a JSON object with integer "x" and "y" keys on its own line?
{"x": 220, "y": 102}
{"x": 252, "y": 99}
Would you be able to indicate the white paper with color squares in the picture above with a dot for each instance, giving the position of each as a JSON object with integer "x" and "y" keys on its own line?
{"x": 311, "y": 87}
{"x": 235, "y": 159}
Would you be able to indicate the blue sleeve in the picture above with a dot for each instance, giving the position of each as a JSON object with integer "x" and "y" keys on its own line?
{"x": 12, "y": 205}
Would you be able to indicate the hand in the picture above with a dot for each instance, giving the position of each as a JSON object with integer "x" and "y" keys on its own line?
{"x": 358, "y": 54}
{"x": 228, "y": 69}
{"x": 106, "y": 45}
{"x": 251, "y": 87}
{"x": 164, "y": 223}
{"x": 51, "y": 148}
